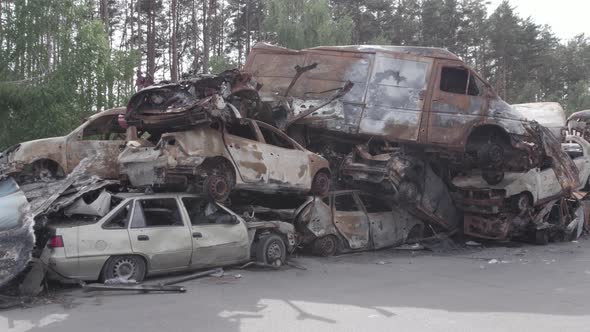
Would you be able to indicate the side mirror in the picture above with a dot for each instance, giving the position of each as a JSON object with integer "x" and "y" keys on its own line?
{"x": 234, "y": 219}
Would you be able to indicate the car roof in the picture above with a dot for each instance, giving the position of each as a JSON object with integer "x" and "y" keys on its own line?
{"x": 116, "y": 110}
{"x": 430, "y": 52}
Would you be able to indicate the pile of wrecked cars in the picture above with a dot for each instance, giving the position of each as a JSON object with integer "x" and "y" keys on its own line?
{"x": 328, "y": 149}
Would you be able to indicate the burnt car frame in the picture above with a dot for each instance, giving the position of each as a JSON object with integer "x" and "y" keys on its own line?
{"x": 351, "y": 220}
{"x": 412, "y": 96}
{"x": 100, "y": 137}
{"x": 153, "y": 234}
{"x": 243, "y": 154}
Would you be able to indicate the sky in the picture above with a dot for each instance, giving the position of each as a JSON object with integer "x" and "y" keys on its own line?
{"x": 567, "y": 18}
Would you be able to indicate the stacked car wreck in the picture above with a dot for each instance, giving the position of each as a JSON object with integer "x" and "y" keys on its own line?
{"x": 329, "y": 149}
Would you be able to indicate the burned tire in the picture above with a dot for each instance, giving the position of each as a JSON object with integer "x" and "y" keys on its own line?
{"x": 492, "y": 177}
{"x": 124, "y": 267}
{"x": 217, "y": 187}
{"x": 271, "y": 249}
{"x": 320, "y": 185}
{"x": 523, "y": 203}
{"x": 490, "y": 155}
{"x": 325, "y": 246}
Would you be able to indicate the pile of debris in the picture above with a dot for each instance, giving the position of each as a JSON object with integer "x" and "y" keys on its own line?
{"x": 329, "y": 149}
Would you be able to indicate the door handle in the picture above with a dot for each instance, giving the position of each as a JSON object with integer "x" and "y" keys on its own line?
{"x": 143, "y": 238}
{"x": 197, "y": 235}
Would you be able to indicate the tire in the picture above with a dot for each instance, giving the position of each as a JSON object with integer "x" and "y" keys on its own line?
{"x": 492, "y": 177}
{"x": 325, "y": 246}
{"x": 490, "y": 155}
{"x": 125, "y": 267}
{"x": 217, "y": 187}
{"x": 271, "y": 249}
{"x": 321, "y": 183}
{"x": 523, "y": 203}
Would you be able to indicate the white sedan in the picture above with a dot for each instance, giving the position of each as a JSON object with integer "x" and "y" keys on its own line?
{"x": 537, "y": 186}
{"x": 160, "y": 233}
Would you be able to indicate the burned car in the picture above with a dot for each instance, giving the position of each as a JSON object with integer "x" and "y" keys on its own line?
{"x": 578, "y": 124}
{"x": 152, "y": 234}
{"x": 242, "y": 154}
{"x": 521, "y": 191}
{"x": 548, "y": 114}
{"x": 425, "y": 98}
{"x": 168, "y": 106}
{"x": 351, "y": 220}
{"x": 16, "y": 231}
{"x": 99, "y": 137}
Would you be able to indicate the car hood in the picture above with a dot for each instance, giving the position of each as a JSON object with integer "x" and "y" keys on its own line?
{"x": 45, "y": 145}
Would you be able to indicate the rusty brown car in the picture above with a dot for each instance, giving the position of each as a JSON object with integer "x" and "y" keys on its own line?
{"x": 243, "y": 154}
{"x": 351, "y": 220}
{"x": 100, "y": 137}
{"x": 426, "y": 98}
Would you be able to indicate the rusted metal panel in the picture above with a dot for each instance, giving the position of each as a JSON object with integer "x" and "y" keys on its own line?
{"x": 354, "y": 227}
{"x": 491, "y": 228}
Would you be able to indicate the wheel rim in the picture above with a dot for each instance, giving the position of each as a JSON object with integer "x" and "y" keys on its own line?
{"x": 218, "y": 188}
{"x": 125, "y": 269}
{"x": 496, "y": 153}
{"x": 326, "y": 246}
{"x": 321, "y": 184}
{"x": 523, "y": 203}
{"x": 274, "y": 252}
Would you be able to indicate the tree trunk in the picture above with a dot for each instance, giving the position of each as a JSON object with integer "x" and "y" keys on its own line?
{"x": 104, "y": 14}
{"x": 206, "y": 39}
{"x": 174, "y": 69}
{"x": 151, "y": 40}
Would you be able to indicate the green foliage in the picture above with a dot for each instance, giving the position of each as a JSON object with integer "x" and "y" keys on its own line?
{"x": 304, "y": 23}
{"x": 57, "y": 67}
{"x": 220, "y": 63}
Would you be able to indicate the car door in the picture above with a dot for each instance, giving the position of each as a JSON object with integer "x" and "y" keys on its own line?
{"x": 395, "y": 97}
{"x": 289, "y": 162}
{"x": 242, "y": 141}
{"x": 350, "y": 220}
{"x": 158, "y": 232}
{"x": 102, "y": 140}
{"x": 458, "y": 102}
{"x": 386, "y": 227}
{"x": 219, "y": 236}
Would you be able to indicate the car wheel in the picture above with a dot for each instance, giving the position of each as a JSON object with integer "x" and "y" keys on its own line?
{"x": 491, "y": 154}
{"x": 492, "y": 177}
{"x": 523, "y": 203}
{"x": 321, "y": 184}
{"x": 217, "y": 187}
{"x": 124, "y": 267}
{"x": 271, "y": 249}
{"x": 325, "y": 246}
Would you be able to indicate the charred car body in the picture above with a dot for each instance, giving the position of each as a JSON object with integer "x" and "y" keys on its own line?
{"x": 350, "y": 220}
{"x": 100, "y": 137}
{"x": 244, "y": 154}
{"x": 402, "y": 96}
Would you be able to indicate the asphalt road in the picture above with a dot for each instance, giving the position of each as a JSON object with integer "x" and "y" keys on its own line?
{"x": 524, "y": 288}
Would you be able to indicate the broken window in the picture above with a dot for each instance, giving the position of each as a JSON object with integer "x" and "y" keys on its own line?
{"x": 274, "y": 138}
{"x": 156, "y": 213}
{"x": 202, "y": 212}
{"x": 374, "y": 204}
{"x": 459, "y": 81}
{"x": 120, "y": 219}
{"x": 103, "y": 128}
{"x": 244, "y": 130}
{"x": 345, "y": 202}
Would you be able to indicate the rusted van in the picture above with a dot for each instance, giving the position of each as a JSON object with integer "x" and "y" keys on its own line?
{"x": 411, "y": 96}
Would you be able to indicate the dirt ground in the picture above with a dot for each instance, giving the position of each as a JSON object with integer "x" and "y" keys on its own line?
{"x": 503, "y": 288}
